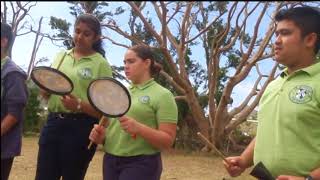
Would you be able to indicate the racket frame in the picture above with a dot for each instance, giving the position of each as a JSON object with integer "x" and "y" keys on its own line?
{"x": 55, "y": 71}
{"x": 117, "y": 82}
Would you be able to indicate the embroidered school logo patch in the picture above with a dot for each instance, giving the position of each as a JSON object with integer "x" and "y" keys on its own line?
{"x": 85, "y": 73}
{"x": 144, "y": 99}
{"x": 301, "y": 94}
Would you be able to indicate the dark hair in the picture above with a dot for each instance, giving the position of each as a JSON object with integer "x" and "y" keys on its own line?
{"x": 95, "y": 26}
{"x": 306, "y": 18}
{"x": 6, "y": 32}
{"x": 145, "y": 52}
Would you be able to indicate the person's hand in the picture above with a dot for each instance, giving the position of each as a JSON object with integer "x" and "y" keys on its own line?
{"x": 235, "y": 166}
{"x": 129, "y": 125}
{"x": 97, "y": 134}
{"x": 70, "y": 102}
{"x": 286, "y": 177}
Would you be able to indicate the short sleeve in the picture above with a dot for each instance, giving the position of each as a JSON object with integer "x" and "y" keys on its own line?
{"x": 16, "y": 94}
{"x": 167, "y": 110}
{"x": 105, "y": 69}
{"x": 57, "y": 59}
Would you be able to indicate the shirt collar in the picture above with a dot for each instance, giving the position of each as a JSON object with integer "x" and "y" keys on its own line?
{"x": 313, "y": 69}
{"x": 144, "y": 85}
{"x": 310, "y": 70}
{"x": 92, "y": 56}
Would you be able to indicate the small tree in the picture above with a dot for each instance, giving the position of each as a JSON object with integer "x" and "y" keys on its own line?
{"x": 34, "y": 111}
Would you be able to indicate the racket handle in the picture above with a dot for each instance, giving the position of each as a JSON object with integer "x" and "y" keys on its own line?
{"x": 102, "y": 122}
{"x": 206, "y": 141}
{"x": 90, "y": 144}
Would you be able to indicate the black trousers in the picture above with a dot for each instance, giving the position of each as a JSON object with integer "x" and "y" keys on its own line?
{"x": 6, "y": 165}
{"x": 142, "y": 167}
{"x": 63, "y": 146}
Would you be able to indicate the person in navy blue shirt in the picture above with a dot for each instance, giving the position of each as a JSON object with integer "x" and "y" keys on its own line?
{"x": 14, "y": 96}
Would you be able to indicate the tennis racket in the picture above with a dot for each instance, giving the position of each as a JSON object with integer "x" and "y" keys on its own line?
{"x": 109, "y": 97}
{"x": 52, "y": 80}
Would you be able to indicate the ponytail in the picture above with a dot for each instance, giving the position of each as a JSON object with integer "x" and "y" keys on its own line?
{"x": 97, "y": 46}
{"x": 155, "y": 68}
{"x": 145, "y": 52}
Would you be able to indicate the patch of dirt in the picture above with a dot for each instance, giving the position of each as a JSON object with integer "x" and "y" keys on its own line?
{"x": 177, "y": 165}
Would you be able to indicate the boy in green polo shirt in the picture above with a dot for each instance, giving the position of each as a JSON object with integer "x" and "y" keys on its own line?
{"x": 152, "y": 118}
{"x": 288, "y": 134}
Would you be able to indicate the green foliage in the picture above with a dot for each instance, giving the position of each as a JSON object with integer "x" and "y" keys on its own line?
{"x": 63, "y": 30}
{"x": 33, "y": 112}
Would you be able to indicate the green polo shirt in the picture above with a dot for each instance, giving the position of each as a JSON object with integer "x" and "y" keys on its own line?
{"x": 81, "y": 72}
{"x": 288, "y": 134}
{"x": 151, "y": 104}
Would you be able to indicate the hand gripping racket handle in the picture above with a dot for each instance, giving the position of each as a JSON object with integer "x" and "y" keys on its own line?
{"x": 103, "y": 121}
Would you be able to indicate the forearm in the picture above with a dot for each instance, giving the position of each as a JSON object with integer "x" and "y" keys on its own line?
{"x": 247, "y": 154}
{"x": 88, "y": 109}
{"x": 161, "y": 138}
{"x": 8, "y": 122}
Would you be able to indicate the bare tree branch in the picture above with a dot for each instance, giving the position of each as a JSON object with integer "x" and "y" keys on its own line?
{"x": 241, "y": 117}
{"x": 163, "y": 21}
{"x": 4, "y": 14}
{"x": 182, "y": 46}
{"x": 35, "y": 49}
{"x": 184, "y": 98}
{"x": 256, "y": 28}
{"x": 25, "y": 33}
{"x": 114, "y": 42}
{"x": 111, "y": 25}
{"x": 168, "y": 32}
{"x": 175, "y": 11}
{"x": 145, "y": 22}
{"x": 206, "y": 28}
{"x": 172, "y": 82}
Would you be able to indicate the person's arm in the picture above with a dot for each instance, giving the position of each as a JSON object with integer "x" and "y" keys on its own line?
{"x": 88, "y": 109}
{"x": 15, "y": 99}
{"x": 315, "y": 174}
{"x": 161, "y": 138}
{"x": 97, "y": 134}
{"x": 247, "y": 154}
{"x": 72, "y": 103}
{"x": 238, "y": 164}
{"x": 7, "y": 123}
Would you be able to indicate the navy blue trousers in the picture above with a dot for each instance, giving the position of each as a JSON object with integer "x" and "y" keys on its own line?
{"x": 6, "y": 165}
{"x": 143, "y": 167}
{"x": 63, "y": 146}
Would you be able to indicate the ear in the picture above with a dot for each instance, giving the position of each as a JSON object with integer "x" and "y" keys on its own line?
{"x": 147, "y": 62}
{"x": 310, "y": 40}
{"x": 97, "y": 38}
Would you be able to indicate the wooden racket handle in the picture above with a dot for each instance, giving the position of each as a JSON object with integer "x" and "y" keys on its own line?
{"x": 62, "y": 59}
{"x": 102, "y": 122}
{"x": 206, "y": 141}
